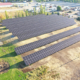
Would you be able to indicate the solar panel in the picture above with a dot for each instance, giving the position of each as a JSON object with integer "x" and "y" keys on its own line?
{"x": 21, "y": 20}
{"x": 36, "y": 32}
{"x": 18, "y": 20}
{"x": 38, "y": 21}
{"x": 42, "y": 42}
{"x": 28, "y": 27}
{"x": 32, "y": 58}
{"x": 37, "y": 25}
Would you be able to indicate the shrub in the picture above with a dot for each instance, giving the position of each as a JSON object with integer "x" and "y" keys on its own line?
{"x": 58, "y": 13}
{"x": 2, "y": 17}
{"x": 78, "y": 18}
{"x": 70, "y": 12}
{"x": 59, "y": 8}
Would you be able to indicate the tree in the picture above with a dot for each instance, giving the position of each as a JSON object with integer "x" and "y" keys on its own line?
{"x": 7, "y": 17}
{"x": 78, "y": 18}
{"x": 44, "y": 10}
{"x": 35, "y": 12}
{"x": 19, "y": 14}
{"x": 58, "y": 13}
{"x": 41, "y": 10}
{"x": 26, "y": 13}
{"x": 23, "y": 14}
{"x": 52, "y": 12}
{"x": 59, "y": 8}
{"x": 16, "y": 14}
{"x": 45, "y": 13}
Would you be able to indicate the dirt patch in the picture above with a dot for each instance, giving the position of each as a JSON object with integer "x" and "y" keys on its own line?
{"x": 27, "y": 70}
{"x": 4, "y": 66}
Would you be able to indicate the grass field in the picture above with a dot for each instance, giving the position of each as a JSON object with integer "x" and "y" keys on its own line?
{"x": 7, "y": 53}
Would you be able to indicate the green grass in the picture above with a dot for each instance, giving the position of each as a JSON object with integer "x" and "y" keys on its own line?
{"x": 7, "y": 54}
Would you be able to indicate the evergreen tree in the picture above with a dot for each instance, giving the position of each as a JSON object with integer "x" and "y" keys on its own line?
{"x": 7, "y": 17}
{"x": 19, "y": 14}
{"x": 58, "y": 13}
{"x": 16, "y": 15}
{"x": 26, "y": 13}
{"x": 23, "y": 14}
{"x": 35, "y": 11}
{"x": 45, "y": 13}
{"x": 0, "y": 18}
{"x": 52, "y": 12}
{"x": 41, "y": 10}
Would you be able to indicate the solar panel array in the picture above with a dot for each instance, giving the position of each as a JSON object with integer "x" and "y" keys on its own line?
{"x": 29, "y": 59}
{"x": 42, "y": 42}
{"x": 32, "y": 26}
{"x": 28, "y": 27}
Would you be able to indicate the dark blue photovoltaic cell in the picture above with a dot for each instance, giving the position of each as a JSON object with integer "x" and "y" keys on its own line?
{"x": 32, "y": 58}
{"x": 42, "y": 42}
{"x": 32, "y": 26}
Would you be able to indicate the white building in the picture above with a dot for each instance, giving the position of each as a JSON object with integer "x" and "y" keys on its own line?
{"x": 20, "y": 4}
{"x": 6, "y": 4}
{"x": 78, "y": 13}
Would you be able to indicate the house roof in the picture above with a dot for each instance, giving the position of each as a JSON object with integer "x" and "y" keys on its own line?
{"x": 2, "y": 4}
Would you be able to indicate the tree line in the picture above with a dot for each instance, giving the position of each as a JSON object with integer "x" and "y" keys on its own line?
{"x": 26, "y": 13}
{"x": 74, "y": 1}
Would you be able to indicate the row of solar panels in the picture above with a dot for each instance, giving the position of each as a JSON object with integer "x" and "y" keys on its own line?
{"x": 42, "y": 42}
{"x": 30, "y": 29}
{"x": 32, "y": 58}
{"x": 21, "y": 19}
{"x": 40, "y": 22}
{"x": 25, "y": 34}
{"x": 38, "y": 26}
{"x": 34, "y": 33}
{"x": 24, "y": 23}
{"x": 28, "y": 19}
{"x": 33, "y": 26}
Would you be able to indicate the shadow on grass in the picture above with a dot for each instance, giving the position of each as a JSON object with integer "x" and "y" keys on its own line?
{"x": 12, "y": 54}
{"x": 6, "y": 32}
{"x": 6, "y": 38}
{"x": 18, "y": 65}
{"x": 7, "y": 45}
{"x": 10, "y": 43}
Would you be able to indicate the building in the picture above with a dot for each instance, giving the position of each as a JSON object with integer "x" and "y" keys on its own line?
{"x": 6, "y": 4}
{"x": 78, "y": 13}
{"x": 20, "y": 4}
